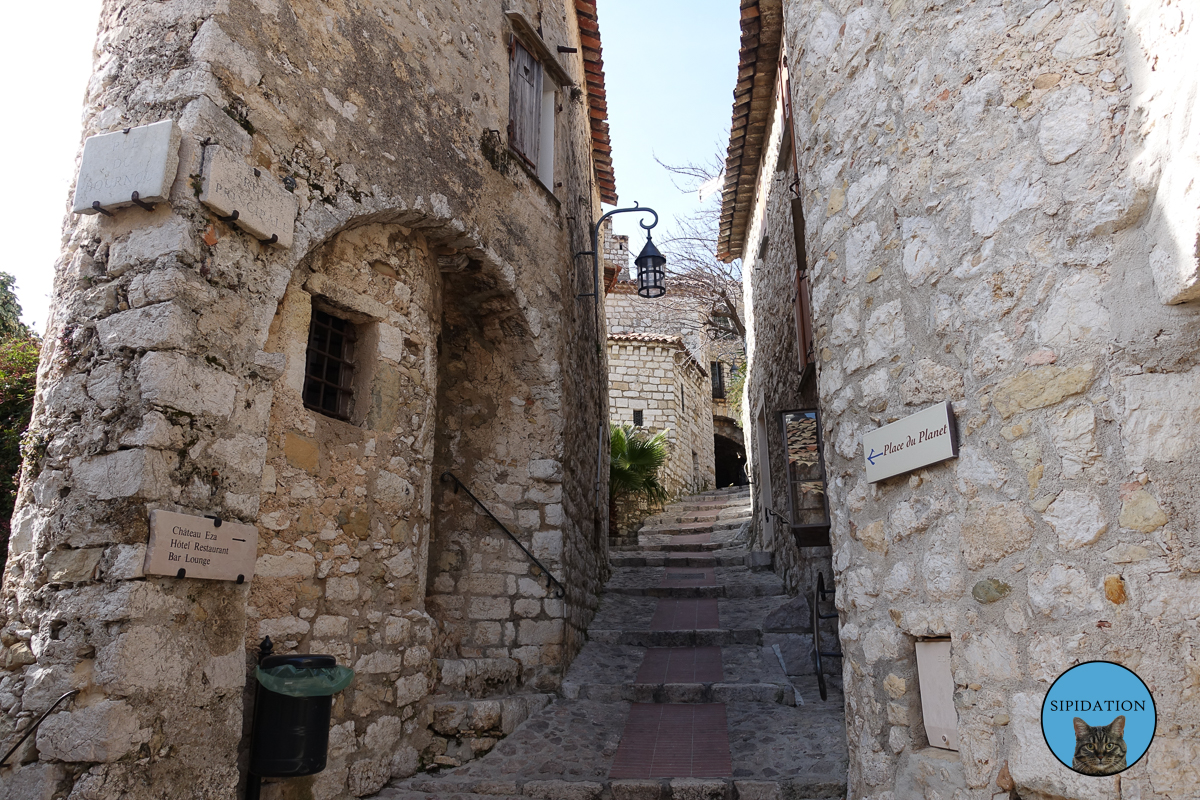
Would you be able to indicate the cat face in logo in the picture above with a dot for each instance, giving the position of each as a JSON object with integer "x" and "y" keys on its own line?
{"x": 1100, "y": 749}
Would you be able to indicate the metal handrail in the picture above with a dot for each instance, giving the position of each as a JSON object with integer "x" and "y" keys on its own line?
{"x": 550, "y": 579}
{"x": 34, "y": 726}
{"x": 820, "y": 593}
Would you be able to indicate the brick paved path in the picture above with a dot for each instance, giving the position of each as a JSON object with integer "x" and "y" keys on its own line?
{"x": 677, "y": 693}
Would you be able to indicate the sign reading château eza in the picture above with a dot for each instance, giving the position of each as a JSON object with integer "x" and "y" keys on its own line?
{"x": 926, "y": 437}
{"x": 198, "y": 547}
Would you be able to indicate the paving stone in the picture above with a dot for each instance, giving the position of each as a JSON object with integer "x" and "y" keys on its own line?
{"x": 675, "y": 695}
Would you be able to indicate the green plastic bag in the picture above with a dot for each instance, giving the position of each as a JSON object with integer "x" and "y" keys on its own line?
{"x": 304, "y": 682}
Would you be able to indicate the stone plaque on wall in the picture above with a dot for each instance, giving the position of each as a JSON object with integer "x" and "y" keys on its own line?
{"x": 115, "y": 165}
{"x": 255, "y": 200}
{"x": 185, "y": 546}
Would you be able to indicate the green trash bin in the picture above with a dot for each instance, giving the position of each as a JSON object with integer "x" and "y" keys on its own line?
{"x": 292, "y": 713}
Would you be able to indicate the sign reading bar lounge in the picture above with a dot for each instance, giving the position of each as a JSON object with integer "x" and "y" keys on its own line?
{"x": 926, "y": 437}
{"x": 200, "y": 547}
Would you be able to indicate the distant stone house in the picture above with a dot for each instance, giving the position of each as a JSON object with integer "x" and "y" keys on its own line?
{"x": 411, "y": 322}
{"x": 655, "y": 384}
{"x": 982, "y": 204}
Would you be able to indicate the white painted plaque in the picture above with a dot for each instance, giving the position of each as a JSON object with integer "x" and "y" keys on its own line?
{"x": 200, "y": 548}
{"x": 937, "y": 693}
{"x": 115, "y": 165}
{"x": 926, "y": 437}
{"x": 264, "y": 208}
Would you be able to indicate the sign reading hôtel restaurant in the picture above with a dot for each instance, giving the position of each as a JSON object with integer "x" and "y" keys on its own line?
{"x": 926, "y": 437}
{"x": 200, "y": 547}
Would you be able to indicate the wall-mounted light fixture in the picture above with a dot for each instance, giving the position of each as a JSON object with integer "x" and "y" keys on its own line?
{"x": 650, "y": 276}
{"x": 650, "y": 271}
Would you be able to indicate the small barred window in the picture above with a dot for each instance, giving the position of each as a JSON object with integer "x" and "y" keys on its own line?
{"x": 329, "y": 369}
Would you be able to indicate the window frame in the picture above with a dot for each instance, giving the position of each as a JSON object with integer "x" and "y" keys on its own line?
{"x": 344, "y": 387}
{"x": 718, "y": 380}
{"x": 533, "y": 142}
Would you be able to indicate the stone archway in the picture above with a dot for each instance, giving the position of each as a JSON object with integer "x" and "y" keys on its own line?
{"x": 730, "y": 452}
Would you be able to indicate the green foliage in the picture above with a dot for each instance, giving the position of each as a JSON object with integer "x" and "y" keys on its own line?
{"x": 10, "y": 309}
{"x": 18, "y": 377}
{"x": 735, "y": 391}
{"x": 635, "y": 461}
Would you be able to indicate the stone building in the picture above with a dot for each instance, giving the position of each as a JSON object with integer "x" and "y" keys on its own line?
{"x": 411, "y": 314}
{"x": 655, "y": 384}
{"x": 992, "y": 204}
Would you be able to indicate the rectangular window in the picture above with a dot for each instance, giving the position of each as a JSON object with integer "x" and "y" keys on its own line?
{"x": 531, "y": 102}
{"x": 637, "y": 417}
{"x": 329, "y": 366}
{"x": 806, "y": 478}
{"x": 718, "y": 380}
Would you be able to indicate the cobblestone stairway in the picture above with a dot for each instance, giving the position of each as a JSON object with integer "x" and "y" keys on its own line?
{"x": 678, "y": 693}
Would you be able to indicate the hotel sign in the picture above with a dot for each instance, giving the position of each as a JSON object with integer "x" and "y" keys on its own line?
{"x": 200, "y": 547}
{"x": 926, "y": 437}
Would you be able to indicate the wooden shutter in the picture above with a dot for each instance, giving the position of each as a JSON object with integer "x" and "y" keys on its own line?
{"x": 524, "y": 102}
{"x": 788, "y": 149}
{"x": 804, "y": 332}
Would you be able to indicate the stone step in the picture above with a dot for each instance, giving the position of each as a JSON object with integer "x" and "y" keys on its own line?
{"x": 664, "y": 581}
{"x": 689, "y": 516}
{"x": 612, "y": 672}
{"x": 686, "y": 528}
{"x": 727, "y": 557}
{"x": 667, "y": 547}
{"x": 566, "y": 752}
{"x": 655, "y": 789}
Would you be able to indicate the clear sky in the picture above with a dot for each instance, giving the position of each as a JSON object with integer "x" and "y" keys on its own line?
{"x": 669, "y": 70}
{"x": 46, "y": 57}
{"x": 670, "y": 67}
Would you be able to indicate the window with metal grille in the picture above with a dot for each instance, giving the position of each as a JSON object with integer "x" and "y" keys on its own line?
{"x": 637, "y": 417}
{"x": 718, "y": 380}
{"x": 329, "y": 367}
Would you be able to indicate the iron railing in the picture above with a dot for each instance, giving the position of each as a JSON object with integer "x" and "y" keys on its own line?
{"x": 819, "y": 594}
{"x": 560, "y": 590}
{"x": 35, "y": 725}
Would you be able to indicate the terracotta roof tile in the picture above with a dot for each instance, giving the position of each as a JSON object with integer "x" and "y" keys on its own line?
{"x": 753, "y": 101}
{"x": 593, "y": 65}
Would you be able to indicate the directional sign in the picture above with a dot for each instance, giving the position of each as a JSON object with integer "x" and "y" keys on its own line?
{"x": 926, "y": 437}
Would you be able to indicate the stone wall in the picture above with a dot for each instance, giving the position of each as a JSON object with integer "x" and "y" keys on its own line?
{"x": 657, "y": 376}
{"x": 997, "y": 215}
{"x": 172, "y": 378}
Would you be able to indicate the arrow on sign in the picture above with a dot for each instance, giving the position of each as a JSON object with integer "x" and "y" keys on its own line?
{"x": 873, "y": 456}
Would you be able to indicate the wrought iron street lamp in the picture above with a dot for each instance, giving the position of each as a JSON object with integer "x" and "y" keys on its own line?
{"x": 649, "y": 262}
{"x": 650, "y": 276}
{"x": 650, "y": 271}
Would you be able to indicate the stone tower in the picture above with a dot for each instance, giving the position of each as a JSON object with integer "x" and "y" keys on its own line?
{"x": 405, "y": 184}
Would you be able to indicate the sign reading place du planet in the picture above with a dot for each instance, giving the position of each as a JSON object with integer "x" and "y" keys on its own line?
{"x": 924, "y": 438}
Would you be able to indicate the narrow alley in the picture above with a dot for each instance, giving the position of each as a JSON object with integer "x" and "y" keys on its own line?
{"x": 681, "y": 690}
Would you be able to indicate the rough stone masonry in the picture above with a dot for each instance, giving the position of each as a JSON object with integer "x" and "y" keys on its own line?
{"x": 1000, "y": 210}
{"x": 174, "y": 372}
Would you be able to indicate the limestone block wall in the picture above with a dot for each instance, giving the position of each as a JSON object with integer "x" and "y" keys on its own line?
{"x": 661, "y": 380}
{"x": 995, "y": 215}
{"x": 774, "y": 381}
{"x": 171, "y": 378}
